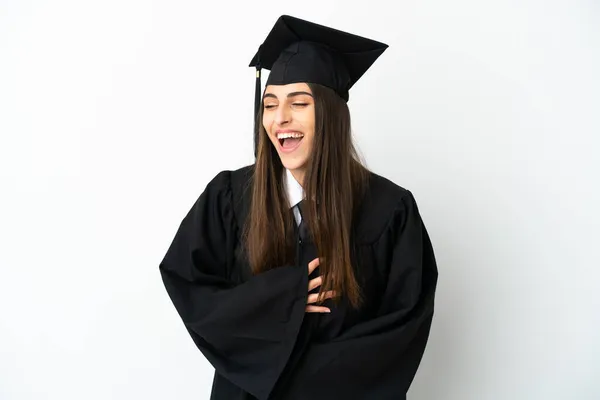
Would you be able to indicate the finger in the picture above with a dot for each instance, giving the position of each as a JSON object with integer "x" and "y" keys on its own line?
{"x": 313, "y": 297}
{"x": 313, "y": 265}
{"x": 314, "y": 283}
{"x": 315, "y": 309}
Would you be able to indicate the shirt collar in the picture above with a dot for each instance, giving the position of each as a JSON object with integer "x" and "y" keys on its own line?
{"x": 294, "y": 189}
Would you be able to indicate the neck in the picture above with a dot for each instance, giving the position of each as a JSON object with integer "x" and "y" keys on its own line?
{"x": 298, "y": 175}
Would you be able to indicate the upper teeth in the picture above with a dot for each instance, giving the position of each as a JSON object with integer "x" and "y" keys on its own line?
{"x": 289, "y": 135}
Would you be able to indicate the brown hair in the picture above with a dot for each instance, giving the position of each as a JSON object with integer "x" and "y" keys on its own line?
{"x": 335, "y": 179}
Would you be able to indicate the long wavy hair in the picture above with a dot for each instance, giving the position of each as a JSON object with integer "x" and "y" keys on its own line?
{"x": 334, "y": 182}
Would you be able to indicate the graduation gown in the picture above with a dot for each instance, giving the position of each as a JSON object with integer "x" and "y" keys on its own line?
{"x": 254, "y": 330}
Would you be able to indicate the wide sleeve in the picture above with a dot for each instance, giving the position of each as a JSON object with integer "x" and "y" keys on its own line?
{"x": 246, "y": 331}
{"x": 378, "y": 359}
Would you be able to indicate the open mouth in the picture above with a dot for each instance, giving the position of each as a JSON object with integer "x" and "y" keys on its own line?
{"x": 290, "y": 142}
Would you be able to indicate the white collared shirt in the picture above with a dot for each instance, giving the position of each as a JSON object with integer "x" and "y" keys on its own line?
{"x": 295, "y": 193}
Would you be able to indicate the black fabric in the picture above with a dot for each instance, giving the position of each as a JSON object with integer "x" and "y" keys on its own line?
{"x": 255, "y": 331}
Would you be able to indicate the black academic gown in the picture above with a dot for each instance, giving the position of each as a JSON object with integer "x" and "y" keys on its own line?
{"x": 255, "y": 331}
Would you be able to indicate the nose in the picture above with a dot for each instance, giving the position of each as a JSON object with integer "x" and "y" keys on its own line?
{"x": 282, "y": 116}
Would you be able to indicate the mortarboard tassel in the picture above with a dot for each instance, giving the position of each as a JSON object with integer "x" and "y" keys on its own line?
{"x": 257, "y": 102}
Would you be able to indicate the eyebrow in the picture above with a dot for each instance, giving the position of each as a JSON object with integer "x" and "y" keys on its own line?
{"x": 292, "y": 94}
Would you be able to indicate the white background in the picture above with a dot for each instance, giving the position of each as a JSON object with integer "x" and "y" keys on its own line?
{"x": 115, "y": 114}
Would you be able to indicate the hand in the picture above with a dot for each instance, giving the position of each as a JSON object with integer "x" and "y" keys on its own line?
{"x": 313, "y": 283}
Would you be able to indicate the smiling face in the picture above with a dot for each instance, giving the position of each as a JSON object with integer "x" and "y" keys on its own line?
{"x": 289, "y": 120}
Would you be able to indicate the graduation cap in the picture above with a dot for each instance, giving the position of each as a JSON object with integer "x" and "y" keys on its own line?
{"x": 301, "y": 51}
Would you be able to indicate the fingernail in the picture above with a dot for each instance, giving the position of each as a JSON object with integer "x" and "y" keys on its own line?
{"x": 328, "y": 310}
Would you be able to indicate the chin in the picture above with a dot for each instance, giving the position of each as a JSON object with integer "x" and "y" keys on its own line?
{"x": 292, "y": 163}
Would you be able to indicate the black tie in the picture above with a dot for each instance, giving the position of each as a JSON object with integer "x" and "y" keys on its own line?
{"x": 303, "y": 227}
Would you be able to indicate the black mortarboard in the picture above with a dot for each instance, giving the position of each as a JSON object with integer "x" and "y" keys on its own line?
{"x": 301, "y": 51}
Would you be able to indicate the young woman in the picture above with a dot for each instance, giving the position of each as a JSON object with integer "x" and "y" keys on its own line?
{"x": 305, "y": 275}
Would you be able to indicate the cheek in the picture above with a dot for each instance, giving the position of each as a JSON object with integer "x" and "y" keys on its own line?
{"x": 308, "y": 120}
{"x": 309, "y": 124}
{"x": 311, "y": 139}
{"x": 266, "y": 121}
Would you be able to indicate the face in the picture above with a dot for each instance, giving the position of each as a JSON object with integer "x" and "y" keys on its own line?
{"x": 289, "y": 120}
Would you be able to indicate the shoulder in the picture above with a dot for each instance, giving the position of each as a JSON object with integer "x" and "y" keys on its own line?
{"x": 384, "y": 193}
{"x": 229, "y": 180}
{"x": 383, "y": 205}
{"x": 230, "y": 190}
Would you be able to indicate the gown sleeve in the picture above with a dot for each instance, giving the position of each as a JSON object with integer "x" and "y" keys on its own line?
{"x": 246, "y": 330}
{"x": 378, "y": 358}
